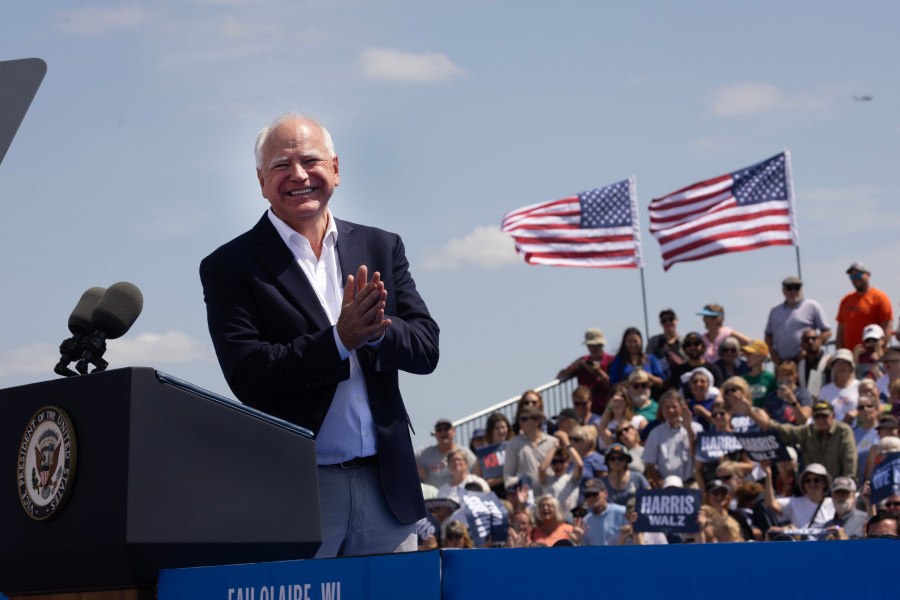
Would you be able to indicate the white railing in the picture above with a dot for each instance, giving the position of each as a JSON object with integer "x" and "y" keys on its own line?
{"x": 556, "y": 394}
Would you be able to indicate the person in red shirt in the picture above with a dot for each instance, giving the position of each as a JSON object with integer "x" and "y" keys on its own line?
{"x": 864, "y": 306}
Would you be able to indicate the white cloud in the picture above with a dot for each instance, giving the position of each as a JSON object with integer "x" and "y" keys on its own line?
{"x": 750, "y": 98}
{"x": 151, "y": 349}
{"x": 485, "y": 246}
{"x": 97, "y": 21}
{"x": 394, "y": 66}
{"x": 146, "y": 349}
{"x": 179, "y": 223}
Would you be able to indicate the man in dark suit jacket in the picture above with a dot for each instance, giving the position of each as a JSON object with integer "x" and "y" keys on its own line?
{"x": 294, "y": 342}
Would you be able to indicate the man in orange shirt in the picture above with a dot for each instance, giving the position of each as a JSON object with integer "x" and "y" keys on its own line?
{"x": 862, "y": 307}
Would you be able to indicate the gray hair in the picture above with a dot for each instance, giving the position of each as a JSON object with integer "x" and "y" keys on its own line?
{"x": 289, "y": 116}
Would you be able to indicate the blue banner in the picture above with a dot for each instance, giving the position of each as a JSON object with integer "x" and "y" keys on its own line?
{"x": 764, "y": 445}
{"x": 412, "y": 576}
{"x": 886, "y": 478}
{"x": 491, "y": 459}
{"x": 759, "y": 445}
{"x": 485, "y": 516}
{"x": 670, "y": 510}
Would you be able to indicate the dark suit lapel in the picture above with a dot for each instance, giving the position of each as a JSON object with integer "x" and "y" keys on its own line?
{"x": 277, "y": 259}
{"x": 351, "y": 253}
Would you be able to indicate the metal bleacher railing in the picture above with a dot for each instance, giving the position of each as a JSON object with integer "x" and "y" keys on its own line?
{"x": 556, "y": 394}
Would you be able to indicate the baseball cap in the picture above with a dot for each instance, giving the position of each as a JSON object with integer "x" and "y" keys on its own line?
{"x": 842, "y": 354}
{"x": 569, "y": 413}
{"x": 756, "y": 347}
{"x": 673, "y": 481}
{"x": 822, "y": 408}
{"x": 873, "y": 331}
{"x": 858, "y": 266}
{"x": 792, "y": 280}
{"x": 843, "y": 483}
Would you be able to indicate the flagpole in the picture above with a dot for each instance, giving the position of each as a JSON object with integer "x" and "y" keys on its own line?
{"x": 644, "y": 296}
{"x": 799, "y": 272}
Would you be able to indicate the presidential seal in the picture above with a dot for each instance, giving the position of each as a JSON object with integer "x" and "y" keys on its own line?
{"x": 46, "y": 464}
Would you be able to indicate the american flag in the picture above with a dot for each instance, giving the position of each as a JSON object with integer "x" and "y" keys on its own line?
{"x": 740, "y": 211}
{"x": 596, "y": 228}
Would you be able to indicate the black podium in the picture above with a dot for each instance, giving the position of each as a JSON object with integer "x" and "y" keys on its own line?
{"x": 167, "y": 475}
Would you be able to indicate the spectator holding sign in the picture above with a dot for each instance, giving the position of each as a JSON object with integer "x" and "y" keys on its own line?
{"x": 811, "y": 510}
{"x": 825, "y": 441}
{"x": 670, "y": 446}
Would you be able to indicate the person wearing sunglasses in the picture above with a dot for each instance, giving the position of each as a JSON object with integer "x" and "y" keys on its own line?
{"x": 526, "y": 451}
{"x": 863, "y": 306}
{"x": 432, "y": 460}
{"x": 666, "y": 346}
{"x": 813, "y": 362}
{"x": 628, "y": 435}
{"x": 694, "y": 348}
{"x": 557, "y": 479}
{"x": 814, "y": 508}
{"x": 640, "y": 396}
{"x": 621, "y": 482}
{"x": 718, "y": 502}
{"x": 788, "y": 321}
{"x": 843, "y": 391}
{"x": 865, "y": 431}
{"x": 730, "y": 361}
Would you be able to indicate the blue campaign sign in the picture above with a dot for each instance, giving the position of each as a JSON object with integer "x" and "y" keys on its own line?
{"x": 485, "y": 516}
{"x": 713, "y": 445}
{"x": 764, "y": 445}
{"x": 411, "y": 576}
{"x": 670, "y": 510}
{"x": 886, "y": 478}
{"x": 491, "y": 459}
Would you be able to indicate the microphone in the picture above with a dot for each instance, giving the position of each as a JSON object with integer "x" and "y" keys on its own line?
{"x": 79, "y": 327}
{"x": 112, "y": 317}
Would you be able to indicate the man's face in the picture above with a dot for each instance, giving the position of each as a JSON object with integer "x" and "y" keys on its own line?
{"x": 627, "y": 434}
{"x": 582, "y": 405}
{"x": 888, "y": 527}
{"x": 298, "y": 173}
{"x": 810, "y": 341}
{"x": 444, "y": 433}
{"x": 639, "y": 391}
{"x": 844, "y": 501}
{"x": 596, "y": 501}
{"x": 891, "y": 362}
{"x": 792, "y": 293}
{"x": 693, "y": 348}
{"x": 823, "y": 421}
{"x": 596, "y": 351}
{"x": 859, "y": 279}
{"x": 669, "y": 324}
{"x": 529, "y": 423}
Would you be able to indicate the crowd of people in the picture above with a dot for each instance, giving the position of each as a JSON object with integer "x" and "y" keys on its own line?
{"x": 636, "y": 416}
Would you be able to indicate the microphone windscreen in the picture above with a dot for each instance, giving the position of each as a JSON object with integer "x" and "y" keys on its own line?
{"x": 80, "y": 319}
{"x": 117, "y": 309}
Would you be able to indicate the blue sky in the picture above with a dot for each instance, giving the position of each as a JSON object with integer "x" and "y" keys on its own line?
{"x": 135, "y": 160}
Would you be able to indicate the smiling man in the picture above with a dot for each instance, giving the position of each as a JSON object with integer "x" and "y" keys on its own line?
{"x": 302, "y": 332}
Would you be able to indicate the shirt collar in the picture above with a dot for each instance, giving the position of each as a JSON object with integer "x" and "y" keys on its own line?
{"x": 286, "y": 233}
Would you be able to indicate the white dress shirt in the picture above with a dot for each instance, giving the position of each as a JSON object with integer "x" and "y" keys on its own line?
{"x": 348, "y": 431}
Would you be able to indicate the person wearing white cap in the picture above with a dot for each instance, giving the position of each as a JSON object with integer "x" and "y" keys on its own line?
{"x": 843, "y": 391}
{"x": 868, "y": 354}
{"x": 814, "y": 508}
{"x": 864, "y": 306}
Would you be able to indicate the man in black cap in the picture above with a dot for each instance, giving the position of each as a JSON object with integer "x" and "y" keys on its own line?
{"x": 432, "y": 460}
{"x": 864, "y": 306}
{"x": 693, "y": 347}
{"x": 788, "y": 320}
{"x": 822, "y": 440}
